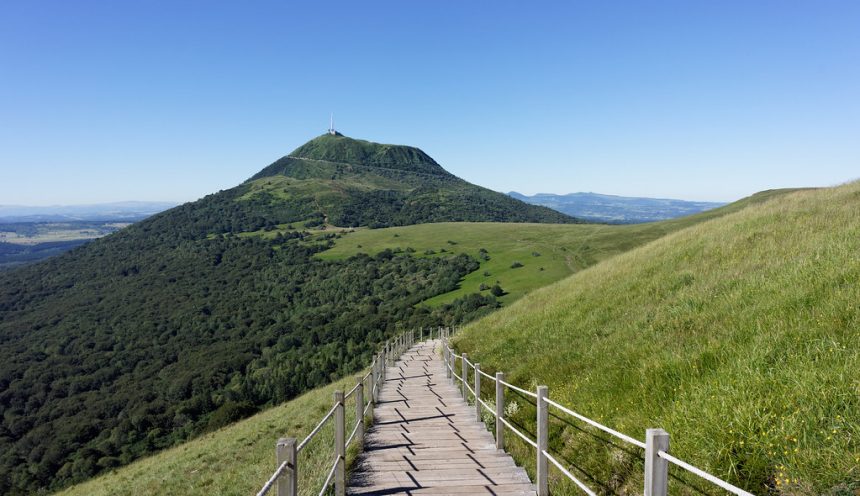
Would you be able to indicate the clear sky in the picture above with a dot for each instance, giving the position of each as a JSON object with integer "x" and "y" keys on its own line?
{"x": 171, "y": 100}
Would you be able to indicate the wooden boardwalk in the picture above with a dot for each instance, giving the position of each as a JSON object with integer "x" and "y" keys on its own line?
{"x": 426, "y": 440}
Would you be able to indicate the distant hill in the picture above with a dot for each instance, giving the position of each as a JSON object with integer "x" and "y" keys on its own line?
{"x": 616, "y": 209}
{"x": 129, "y": 211}
{"x": 359, "y": 183}
{"x": 206, "y": 312}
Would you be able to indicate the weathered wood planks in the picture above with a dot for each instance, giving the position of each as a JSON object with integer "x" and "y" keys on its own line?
{"x": 425, "y": 439}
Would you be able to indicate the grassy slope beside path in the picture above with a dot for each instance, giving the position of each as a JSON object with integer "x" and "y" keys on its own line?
{"x": 738, "y": 336}
{"x": 235, "y": 460}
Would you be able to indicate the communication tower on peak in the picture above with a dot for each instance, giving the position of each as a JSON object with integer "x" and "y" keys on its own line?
{"x": 331, "y": 125}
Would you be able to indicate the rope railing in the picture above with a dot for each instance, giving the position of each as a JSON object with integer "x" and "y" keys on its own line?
{"x": 656, "y": 445}
{"x": 273, "y": 479}
{"x": 347, "y": 395}
{"x": 330, "y": 476}
{"x": 519, "y": 390}
{"x": 285, "y": 477}
{"x": 318, "y": 428}
{"x": 567, "y": 473}
{"x": 704, "y": 475}
{"x": 613, "y": 432}
{"x": 518, "y": 433}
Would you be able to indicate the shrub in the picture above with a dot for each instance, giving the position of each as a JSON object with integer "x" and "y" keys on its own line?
{"x": 516, "y": 265}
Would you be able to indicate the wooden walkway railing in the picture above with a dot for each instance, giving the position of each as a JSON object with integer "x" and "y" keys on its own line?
{"x": 655, "y": 446}
{"x": 426, "y": 439}
{"x": 288, "y": 450}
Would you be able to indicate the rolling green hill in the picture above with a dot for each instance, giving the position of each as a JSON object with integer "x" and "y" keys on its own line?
{"x": 180, "y": 324}
{"x": 738, "y": 336}
{"x": 358, "y": 183}
{"x": 520, "y": 257}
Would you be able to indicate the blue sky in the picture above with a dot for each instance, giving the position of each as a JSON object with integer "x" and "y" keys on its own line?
{"x": 151, "y": 100}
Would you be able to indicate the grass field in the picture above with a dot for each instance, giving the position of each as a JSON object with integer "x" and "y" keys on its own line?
{"x": 237, "y": 459}
{"x": 738, "y": 336}
{"x": 547, "y": 252}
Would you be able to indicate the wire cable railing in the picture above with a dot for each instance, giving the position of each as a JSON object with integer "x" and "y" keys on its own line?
{"x": 656, "y": 444}
{"x": 285, "y": 476}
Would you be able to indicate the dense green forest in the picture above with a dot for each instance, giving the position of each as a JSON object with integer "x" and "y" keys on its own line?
{"x": 180, "y": 339}
{"x": 185, "y": 322}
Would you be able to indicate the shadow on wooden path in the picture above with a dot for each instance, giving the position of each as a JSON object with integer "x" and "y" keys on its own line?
{"x": 426, "y": 440}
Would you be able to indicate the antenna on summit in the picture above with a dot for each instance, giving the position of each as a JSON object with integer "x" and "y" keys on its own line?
{"x": 331, "y": 125}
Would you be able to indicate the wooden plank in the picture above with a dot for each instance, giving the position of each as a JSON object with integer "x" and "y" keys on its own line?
{"x": 426, "y": 439}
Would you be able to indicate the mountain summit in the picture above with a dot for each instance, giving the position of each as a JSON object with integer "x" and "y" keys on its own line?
{"x": 339, "y": 148}
{"x": 354, "y": 183}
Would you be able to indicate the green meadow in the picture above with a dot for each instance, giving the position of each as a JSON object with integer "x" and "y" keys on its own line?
{"x": 546, "y": 253}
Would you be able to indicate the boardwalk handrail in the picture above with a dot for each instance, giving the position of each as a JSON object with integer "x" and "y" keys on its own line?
{"x": 285, "y": 476}
{"x": 656, "y": 444}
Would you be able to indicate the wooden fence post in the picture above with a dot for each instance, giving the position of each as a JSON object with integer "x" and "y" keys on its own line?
{"x": 542, "y": 441}
{"x": 339, "y": 447}
{"x": 285, "y": 451}
{"x": 374, "y": 379}
{"x": 388, "y": 353}
{"x": 463, "y": 372}
{"x": 359, "y": 415}
{"x": 447, "y": 355}
{"x": 500, "y": 410}
{"x": 478, "y": 392}
{"x": 656, "y": 468}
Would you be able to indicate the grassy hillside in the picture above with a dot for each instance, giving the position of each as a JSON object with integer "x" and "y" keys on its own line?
{"x": 235, "y": 460}
{"x": 547, "y": 252}
{"x": 738, "y": 336}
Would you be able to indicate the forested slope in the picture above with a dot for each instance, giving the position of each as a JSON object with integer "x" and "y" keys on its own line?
{"x": 181, "y": 323}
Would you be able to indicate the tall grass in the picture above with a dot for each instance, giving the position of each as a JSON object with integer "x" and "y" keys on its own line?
{"x": 739, "y": 336}
{"x": 237, "y": 459}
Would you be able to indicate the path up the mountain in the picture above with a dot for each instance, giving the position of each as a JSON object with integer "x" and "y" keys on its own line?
{"x": 426, "y": 439}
